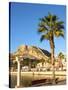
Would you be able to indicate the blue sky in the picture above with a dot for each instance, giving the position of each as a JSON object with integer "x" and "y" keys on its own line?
{"x": 24, "y": 19}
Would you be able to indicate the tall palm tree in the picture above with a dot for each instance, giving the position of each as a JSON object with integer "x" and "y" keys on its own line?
{"x": 49, "y": 27}
{"x": 60, "y": 57}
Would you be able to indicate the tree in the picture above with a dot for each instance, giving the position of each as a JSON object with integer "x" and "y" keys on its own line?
{"x": 49, "y": 27}
{"x": 60, "y": 58}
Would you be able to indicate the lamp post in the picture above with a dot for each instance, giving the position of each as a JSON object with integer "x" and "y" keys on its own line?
{"x": 18, "y": 71}
{"x": 18, "y": 59}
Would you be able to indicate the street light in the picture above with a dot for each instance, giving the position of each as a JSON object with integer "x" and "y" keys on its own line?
{"x": 18, "y": 59}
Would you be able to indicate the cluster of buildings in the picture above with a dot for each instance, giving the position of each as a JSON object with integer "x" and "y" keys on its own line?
{"x": 34, "y": 54}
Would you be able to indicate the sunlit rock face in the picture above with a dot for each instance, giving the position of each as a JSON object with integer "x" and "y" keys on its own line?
{"x": 32, "y": 50}
{"x": 22, "y": 48}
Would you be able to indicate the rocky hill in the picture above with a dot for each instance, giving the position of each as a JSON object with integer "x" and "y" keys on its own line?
{"x": 32, "y": 51}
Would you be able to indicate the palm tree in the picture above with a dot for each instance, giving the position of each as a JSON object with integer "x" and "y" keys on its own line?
{"x": 49, "y": 27}
{"x": 60, "y": 57}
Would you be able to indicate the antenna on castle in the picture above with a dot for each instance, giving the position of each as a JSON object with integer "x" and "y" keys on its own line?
{"x": 26, "y": 47}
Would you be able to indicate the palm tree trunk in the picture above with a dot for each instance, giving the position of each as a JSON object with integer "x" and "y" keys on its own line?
{"x": 52, "y": 60}
{"x": 53, "y": 65}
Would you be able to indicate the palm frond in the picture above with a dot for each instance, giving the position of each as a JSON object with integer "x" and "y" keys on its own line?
{"x": 47, "y": 18}
{"x": 59, "y": 25}
{"x": 60, "y": 22}
{"x": 41, "y": 30}
{"x": 59, "y": 33}
{"x": 43, "y": 19}
{"x": 44, "y": 37}
{"x": 54, "y": 18}
{"x": 50, "y": 25}
{"x": 42, "y": 27}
